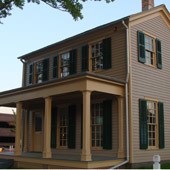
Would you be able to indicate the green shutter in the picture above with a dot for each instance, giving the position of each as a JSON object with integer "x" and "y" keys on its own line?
{"x": 85, "y": 58}
{"x": 143, "y": 124}
{"x": 73, "y": 63}
{"x": 107, "y": 53}
{"x": 107, "y": 124}
{"x": 55, "y": 67}
{"x": 31, "y": 73}
{"x": 161, "y": 125}
{"x": 72, "y": 127}
{"x": 45, "y": 69}
{"x": 141, "y": 47}
{"x": 53, "y": 127}
{"x": 159, "y": 54}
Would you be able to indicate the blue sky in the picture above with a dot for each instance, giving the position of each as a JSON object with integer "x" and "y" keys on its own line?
{"x": 37, "y": 26}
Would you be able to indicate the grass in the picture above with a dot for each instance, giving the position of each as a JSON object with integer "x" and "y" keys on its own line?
{"x": 163, "y": 166}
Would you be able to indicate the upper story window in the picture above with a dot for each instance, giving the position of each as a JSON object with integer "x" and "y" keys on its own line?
{"x": 151, "y": 124}
{"x": 149, "y": 50}
{"x": 97, "y": 55}
{"x": 65, "y": 64}
{"x": 39, "y": 71}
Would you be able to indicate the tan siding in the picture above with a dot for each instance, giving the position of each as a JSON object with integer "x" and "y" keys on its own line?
{"x": 151, "y": 82}
{"x": 118, "y": 69}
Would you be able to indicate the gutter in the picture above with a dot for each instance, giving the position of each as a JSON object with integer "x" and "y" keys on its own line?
{"x": 126, "y": 99}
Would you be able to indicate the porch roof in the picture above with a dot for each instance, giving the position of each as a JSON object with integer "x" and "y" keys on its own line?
{"x": 79, "y": 82}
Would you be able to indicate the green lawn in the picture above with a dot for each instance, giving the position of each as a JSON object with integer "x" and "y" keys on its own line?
{"x": 163, "y": 166}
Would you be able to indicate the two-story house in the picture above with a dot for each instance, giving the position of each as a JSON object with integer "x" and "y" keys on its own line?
{"x": 98, "y": 99}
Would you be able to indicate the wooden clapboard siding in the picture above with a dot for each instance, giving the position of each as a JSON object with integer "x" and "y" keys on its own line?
{"x": 118, "y": 50}
{"x": 150, "y": 82}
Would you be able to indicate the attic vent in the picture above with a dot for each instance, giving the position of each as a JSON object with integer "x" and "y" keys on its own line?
{"x": 147, "y": 4}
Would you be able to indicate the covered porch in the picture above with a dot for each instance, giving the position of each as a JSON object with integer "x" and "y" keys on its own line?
{"x": 36, "y": 161}
{"x": 79, "y": 120}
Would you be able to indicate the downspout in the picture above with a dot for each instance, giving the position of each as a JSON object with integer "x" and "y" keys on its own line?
{"x": 126, "y": 98}
{"x": 23, "y": 72}
{"x": 23, "y": 115}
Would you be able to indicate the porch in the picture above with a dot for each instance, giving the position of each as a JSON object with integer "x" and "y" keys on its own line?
{"x": 77, "y": 122}
{"x": 35, "y": 161}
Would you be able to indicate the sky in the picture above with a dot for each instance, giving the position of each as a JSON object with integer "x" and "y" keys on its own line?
{"x": 37, "y": 26}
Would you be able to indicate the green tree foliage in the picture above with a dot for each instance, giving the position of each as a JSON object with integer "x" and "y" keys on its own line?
{"x": 73, "y": 7}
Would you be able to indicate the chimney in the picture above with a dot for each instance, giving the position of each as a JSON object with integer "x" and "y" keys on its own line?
{"x": 147, "y": 4}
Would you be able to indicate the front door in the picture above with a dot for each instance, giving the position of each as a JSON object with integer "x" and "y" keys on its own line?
{"x": 38, "y": 132}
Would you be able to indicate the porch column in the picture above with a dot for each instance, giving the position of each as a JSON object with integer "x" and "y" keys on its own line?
{"x": 86, "y": 151}
{"x": 18, "y": 129}
{"x": 121, "y": 148}
{"x": 47, "y": 129}
{"x": 25, "y": 131}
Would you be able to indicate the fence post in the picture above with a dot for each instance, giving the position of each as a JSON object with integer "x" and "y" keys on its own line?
{"x": 156, "y": 160}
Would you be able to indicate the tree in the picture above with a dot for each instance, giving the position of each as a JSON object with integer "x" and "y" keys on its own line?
{"x": 73, "y": 7}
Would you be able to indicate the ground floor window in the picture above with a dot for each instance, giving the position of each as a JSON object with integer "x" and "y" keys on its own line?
{"x": 97, "y": 125}
{"x": 63, "y": 129}
{"x": 152, "y": 123}
{"x": 151, "y": 116}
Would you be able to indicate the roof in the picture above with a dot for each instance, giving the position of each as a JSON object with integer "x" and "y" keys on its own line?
{"x": 74, "y": 37}
{"x": 131, "y": 17}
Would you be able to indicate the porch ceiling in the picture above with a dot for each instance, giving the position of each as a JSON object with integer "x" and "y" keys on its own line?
{"x": 79, "y": 83}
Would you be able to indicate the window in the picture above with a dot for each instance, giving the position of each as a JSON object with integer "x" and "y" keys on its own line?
{"x": 39, "y": 71}
{"x": 63, "y": 130}
{"x": 97, "y": 125}
{"x": 149, "y": 50}
{"x": 65, "y": 64}
{"x": 67, "y": 127}
{"x": 151, "y": 124}
{"x": 97, "y": 56}
{"x": 101, "y": 55}
{"x": 68, "y": 63}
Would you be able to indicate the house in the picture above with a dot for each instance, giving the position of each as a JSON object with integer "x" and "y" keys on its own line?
{"x": 98, "y": 99}
{"x": 7, "y": 133}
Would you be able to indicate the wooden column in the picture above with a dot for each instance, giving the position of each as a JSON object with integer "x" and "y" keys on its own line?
{"x": 47, "y": 129}
{"x": 18, "y": 129}
{"x": 86, "y": 151}
{"x": 25, "y": 131}
{"x": 121, "y": 124}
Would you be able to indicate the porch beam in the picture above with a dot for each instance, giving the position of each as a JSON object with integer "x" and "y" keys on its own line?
{"x": 18, "y": 129}
{"x": 86, "y": 151}
{"x": 90, "y": 83}
{"x": 121, "y": 147}
{"x": 47, "y": 129}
